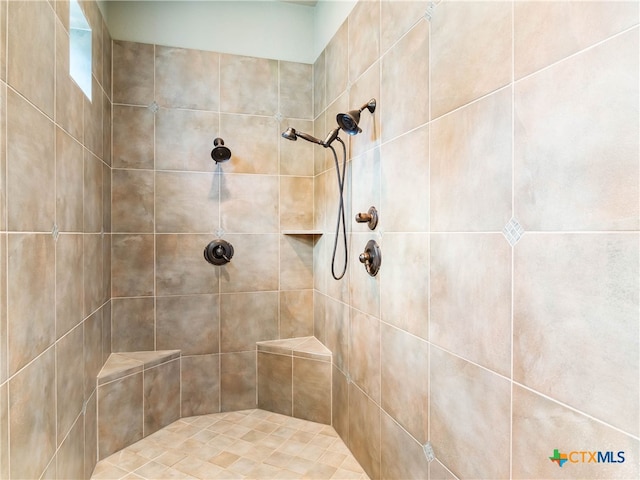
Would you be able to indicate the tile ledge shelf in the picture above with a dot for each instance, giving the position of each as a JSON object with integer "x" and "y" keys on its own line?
{"x": 306, "y": 347}
{"x": 121, "y": 364}
{"x": 302, "y": 232}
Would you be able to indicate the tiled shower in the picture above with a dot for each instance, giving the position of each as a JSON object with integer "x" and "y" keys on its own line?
{"x": 503, "y": 158}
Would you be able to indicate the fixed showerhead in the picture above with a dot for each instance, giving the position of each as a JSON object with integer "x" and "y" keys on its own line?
{"x": 220, "y": 153}
{"x": 349, "y": 121}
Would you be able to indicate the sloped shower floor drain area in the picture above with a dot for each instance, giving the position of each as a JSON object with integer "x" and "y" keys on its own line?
{"x": 246, "y": 444}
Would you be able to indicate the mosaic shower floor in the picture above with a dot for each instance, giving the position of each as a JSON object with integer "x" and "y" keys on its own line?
{"x": 251, "y": 444}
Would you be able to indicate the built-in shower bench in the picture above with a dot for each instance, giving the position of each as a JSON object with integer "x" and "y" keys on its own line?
{"x": 294, "y": 378}
{"x": 138, "y": 394}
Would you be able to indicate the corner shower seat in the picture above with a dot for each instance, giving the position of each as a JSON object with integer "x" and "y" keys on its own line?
{"x": 138, "y": 394}
{"x": 294, "y": 378}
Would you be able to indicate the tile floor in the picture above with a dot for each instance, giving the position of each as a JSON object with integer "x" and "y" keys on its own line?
{"x": 252, "y": 444}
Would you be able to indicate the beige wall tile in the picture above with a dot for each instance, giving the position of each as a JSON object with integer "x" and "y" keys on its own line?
{"x": 238, "y": 381}
{"x": 107, "y": 116}
{"x": 106, "y": 331}
{"x": 132, "y": 265}
{"x": 4, "y": 428}
{"x": 337, "y": 64}
{"x": 364, "y": 37}
{"x": 404, "y": 194}
{"x": 340, "y": 403}
{"x": 397, "y": 18}
{"x": 296, "y": 261}
{"x": 296, "y": 203}
{"x": 133, "y": 324}
{"x": 364, "y": 353}
{"x": 405, "y": 380}
{"x": 296, "y": 158}
{"x": 69, "y": 97}
{"x": 92, "y": 351}
{"x": 588, "y": 180}
{"x": 366, "y": 87}
{"x": 337, "y": 332}
{"x": 93, "y": 201}
{"x": 254, "y": 266}
{"x": 32, "y": 419}
{"x": 4, "y": 366}
{"x": 275, "y": 383}
{"x": 437, "y": 471}
{"x": 401, "y": 455}
{"x": 69, "y": 183}
{"x": 200, "y": 383}
{"x": 120, "y": 414}
{"x": 93, "y": 117}
{"x": 470, "y": 416}
{"x": 161, "y": 396}
{"x": 471, "y": 298}
{"x": 106, "y": 268}
{"x": 69, "y": 381}
{"x": 319, "y": 85}
{"x": 537, "y": 420}
{"x": 187, "y": 202}
{"x": 69, "y": 460}
{"x": 319, "y": 316}
{"x": 178, "y": 317}
{"x": 296, "y": 313}
{"x": 471, "y": 172}
{"x": 3, "y": 153}
{"x": 181, "y": 268}
{"x": 30, "y": 166}
{"x": 106, "y": 198}
{"x": 246, "y": 318}
{"x": 404, "y": 281}
{"x": 107, "y": 57}
{"x": 364, "y": 431}
{"x": 182, "y": 139}
{"x": 365, "y": 188}
{"x": 318, "y": 130}
{"x": 94, "y": 274}
{"x": 30, "y": 263}
{"x": 90, "y": 436}
{"x": 69, "y": 283}
{"x": 94, "y": 17}
{"x": 546, "y": 32}
{"x": 133, "y": 73}
{"x": 296, "y": 89}
{"x": 312, "y": 390}
{"x": 241, "y": 77}
{"x": 3, "y": 40}
{"x": 364, "y": 289}
{"x": 404, "y": 86}
{"x": 598, "y": 278}
{"x": 132, "y": 202}
{"x": 31, "y": 64}
{"x": 187, "y": 78}
{"x": 133, "y": 137}
{"x": 260, "y": 153}
{"x": 459, "y": 31}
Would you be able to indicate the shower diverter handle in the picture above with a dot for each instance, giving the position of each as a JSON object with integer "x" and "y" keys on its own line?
{"x": 371, "y": 218}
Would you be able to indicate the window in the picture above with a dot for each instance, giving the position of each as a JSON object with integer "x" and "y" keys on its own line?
{"x": 79, "y": 48}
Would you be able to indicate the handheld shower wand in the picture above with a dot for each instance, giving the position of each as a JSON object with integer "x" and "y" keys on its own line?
{"x": 349, "y": 123}
{"x": 292, "y": 134}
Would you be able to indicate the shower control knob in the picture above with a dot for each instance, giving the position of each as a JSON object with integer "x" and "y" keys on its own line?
{"x": 371, "y": 258}
{"x": 371, "y": 218}
{"x": 218, "y": 252}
